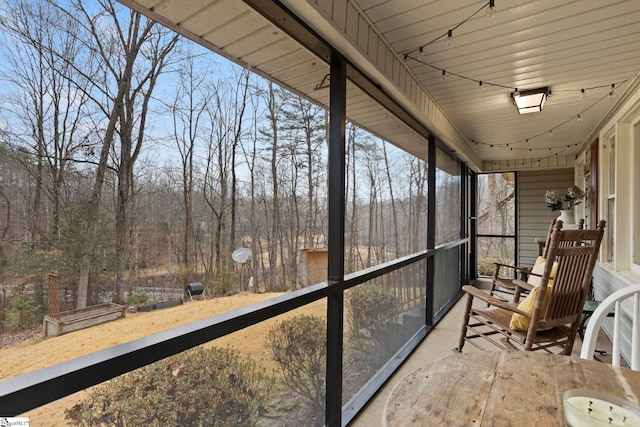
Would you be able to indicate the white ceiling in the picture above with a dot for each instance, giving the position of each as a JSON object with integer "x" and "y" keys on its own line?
{"x": 564, "y": 45}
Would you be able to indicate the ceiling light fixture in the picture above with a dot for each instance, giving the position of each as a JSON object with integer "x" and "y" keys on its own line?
{"x": 529, "y": 101}
{"x": 444, "y": 76}
{"x": 583, "y": 93}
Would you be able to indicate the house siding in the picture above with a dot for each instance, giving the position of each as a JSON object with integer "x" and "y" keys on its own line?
{"x": 534, "y": 217}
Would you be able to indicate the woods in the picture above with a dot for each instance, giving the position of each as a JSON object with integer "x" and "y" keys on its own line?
{"x": 131, "y": 157}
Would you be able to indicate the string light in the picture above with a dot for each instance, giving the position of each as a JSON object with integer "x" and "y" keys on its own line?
{"x": 449, "y": 38}
{"x": 489, "y": 4}
{"x": 491, "y": 10}
{"x": 513, "y": 146}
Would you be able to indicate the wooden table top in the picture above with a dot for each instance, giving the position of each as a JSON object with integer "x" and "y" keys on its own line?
{"x": 500, "y": 389}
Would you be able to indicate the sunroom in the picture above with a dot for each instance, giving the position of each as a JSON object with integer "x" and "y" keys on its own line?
{"x": 443, "y": 82}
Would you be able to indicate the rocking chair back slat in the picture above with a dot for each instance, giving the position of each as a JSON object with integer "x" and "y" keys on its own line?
{"x": 573, "y": 251}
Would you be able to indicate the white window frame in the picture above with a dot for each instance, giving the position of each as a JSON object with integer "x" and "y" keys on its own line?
{"x": 635, "y": 242}
{"x": 607, "y": 141}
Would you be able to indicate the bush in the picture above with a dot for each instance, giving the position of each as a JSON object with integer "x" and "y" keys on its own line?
{"x": 138, "y": 297}
{"x": 23, "y": 313}
{"x": 486, "y": 266}
{"x": 299, "y": 347}
{"x": 201, "y": 387}
{"x": 369, "y": 311}
{"x": 226, "y": 282}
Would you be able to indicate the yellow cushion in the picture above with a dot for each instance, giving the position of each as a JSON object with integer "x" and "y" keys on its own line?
{"x": 520, "y": 322}
{"x": 538, "y": 268}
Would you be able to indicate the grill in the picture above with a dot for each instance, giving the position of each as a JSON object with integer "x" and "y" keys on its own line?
{"x": 195, "y": 289}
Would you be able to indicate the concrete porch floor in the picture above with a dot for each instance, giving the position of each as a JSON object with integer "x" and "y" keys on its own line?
{"x": 440, "y": 343}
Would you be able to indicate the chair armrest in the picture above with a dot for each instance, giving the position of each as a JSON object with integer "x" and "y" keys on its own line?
{"x": 523, "y": 273}
{"x": 499, "y": 265}
{"x": 491, "y": 300}
{"x": 524, "y": 285}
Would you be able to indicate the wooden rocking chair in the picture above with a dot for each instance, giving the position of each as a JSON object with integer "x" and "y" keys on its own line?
{"x": 550, "y": 315}
{"x": 505, "y": 275}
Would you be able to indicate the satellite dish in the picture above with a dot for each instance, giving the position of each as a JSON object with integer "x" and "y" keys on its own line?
{"x": 241, "y": 255}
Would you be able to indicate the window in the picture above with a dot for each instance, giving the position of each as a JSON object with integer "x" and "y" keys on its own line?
{"x": 610, "y": 153}
{"x": 496, "y": 220}
{"x": 448, "y": 198}
{"x": 636, "y": 191}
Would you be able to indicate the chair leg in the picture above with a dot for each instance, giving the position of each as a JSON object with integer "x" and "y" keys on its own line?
{"x": 463, "y": 332}
{"x": 572, "y": 337}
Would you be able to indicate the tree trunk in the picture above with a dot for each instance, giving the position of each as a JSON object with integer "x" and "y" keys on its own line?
{"x": 394, "y": 213}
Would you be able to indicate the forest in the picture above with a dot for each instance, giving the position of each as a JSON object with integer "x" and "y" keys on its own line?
{"x": 133, "y": 162}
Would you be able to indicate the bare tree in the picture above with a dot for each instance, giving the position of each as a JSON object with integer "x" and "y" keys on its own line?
{"x": 216, "y": 179}
{"x": 274, "y": 109}
{"x": 240, "y": 103}
{"x": 418, "y": 204}
{"x": 305, "y": 121}
{"x": 51, "y": 71}
{"x": 353, "y": 254}
{"x": 133, "y": 53}
{"x": 392, "y": 200}
{"x": 226, "y": 118}
{"x": 250, "y": 154}
{"x": 189, "y": 107}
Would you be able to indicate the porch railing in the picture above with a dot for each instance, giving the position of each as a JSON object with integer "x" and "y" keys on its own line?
{"x": 34, "y": 389}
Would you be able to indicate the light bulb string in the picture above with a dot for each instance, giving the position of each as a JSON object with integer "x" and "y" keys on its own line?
{"x": 608, "y": 86}
{"x": 449, "y": 73}
{"x": 528, "y": 139}
{"x": 447, "y": 32}
{"x": 485, "y": 83}
{"x": 420, "y": 49}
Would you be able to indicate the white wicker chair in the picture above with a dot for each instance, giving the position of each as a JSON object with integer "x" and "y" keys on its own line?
{"x": 595, "y": 322}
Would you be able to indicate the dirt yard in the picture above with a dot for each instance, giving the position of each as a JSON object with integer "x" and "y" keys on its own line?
{"x": 38, "y": 353}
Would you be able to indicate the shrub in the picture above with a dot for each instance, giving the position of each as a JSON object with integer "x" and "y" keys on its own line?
{"x": 201, "y": 387}
{"x": 138, "y": 297}
{"x": 369, "y": 311}
{"x": 299, "y": 347}
{"x": 23, "y": 313}
{"x": 185, "y": 275}
{"x": 226, "y": 282}
{"x": 486, "y": 266}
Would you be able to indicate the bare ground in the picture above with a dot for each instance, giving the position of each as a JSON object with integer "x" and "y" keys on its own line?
{"x": 29, "y": 351}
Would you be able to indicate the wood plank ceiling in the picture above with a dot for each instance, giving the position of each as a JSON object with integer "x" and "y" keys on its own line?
{"x": 566, "y": 46}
